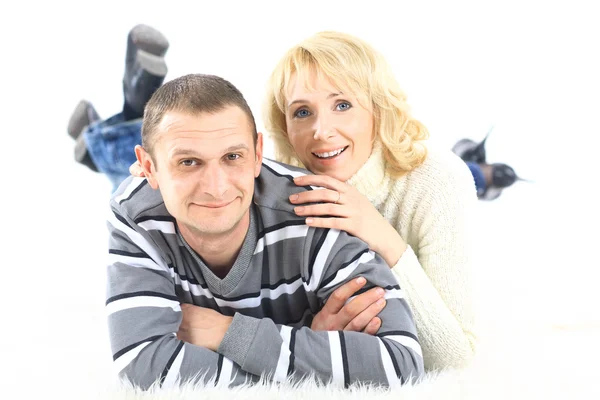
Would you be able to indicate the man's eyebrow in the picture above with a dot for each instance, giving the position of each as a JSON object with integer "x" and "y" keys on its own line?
{"x": 331, "y": 95}
{"x": 191, "y": 152}
{"x": 183, "y": 151}
{"x": 236, "y": 147}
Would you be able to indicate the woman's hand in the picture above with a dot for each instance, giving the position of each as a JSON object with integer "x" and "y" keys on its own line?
{"x": 359, "y": 315}
{"x": 345, "y": 208}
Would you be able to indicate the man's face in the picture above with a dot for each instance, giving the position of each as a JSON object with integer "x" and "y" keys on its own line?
{"x": 205, "y": 169}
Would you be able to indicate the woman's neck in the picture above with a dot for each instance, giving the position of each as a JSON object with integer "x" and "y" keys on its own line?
{"x": 371, "y": 179}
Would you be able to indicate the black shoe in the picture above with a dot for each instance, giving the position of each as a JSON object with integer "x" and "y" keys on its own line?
{"x": 470, "y": 151}
{"x": 82, "y": 117}
{"x": 145, "y": 68}
{"x": 503, "y": 176}
{"x": 82, "y": 155}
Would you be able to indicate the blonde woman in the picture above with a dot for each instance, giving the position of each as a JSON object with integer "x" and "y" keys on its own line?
{"x": 334, "y": 107}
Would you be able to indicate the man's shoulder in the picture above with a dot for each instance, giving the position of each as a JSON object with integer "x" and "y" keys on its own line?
{"x": 275, "y": 185}
{"x": 136, "y": 199}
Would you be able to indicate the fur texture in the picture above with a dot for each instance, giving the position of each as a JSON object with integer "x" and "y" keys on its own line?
{"x": 550, "y": 362}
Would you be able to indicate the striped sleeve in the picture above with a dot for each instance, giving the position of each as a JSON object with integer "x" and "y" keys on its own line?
{"x": 144, "y": 315}
{"x": 390, "y": 358}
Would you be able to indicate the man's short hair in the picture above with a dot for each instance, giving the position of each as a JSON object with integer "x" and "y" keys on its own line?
{"x": 191, "y": 94}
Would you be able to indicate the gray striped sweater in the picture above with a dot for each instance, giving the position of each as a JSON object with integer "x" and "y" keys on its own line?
{"x": 281, "y": 278}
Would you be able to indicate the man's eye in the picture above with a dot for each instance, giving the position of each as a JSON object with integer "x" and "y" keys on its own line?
{"x": 188, "y": 163}
{"x": 233, "y": 157}
{"x": 343, "y": 106}
{"x": 302, "y": 113}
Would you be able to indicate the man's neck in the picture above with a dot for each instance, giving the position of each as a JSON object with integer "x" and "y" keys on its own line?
{"x": 219, "y": 251}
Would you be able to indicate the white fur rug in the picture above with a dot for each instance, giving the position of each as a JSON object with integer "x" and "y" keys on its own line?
{"x": 546, "y": 362}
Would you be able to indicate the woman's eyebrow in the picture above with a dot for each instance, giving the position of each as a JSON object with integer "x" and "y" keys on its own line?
{"x": 331, "y": 95}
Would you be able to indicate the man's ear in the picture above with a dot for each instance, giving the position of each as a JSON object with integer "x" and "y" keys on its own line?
{"x": 259, "y": 154}
{"x": 147, "y": 165}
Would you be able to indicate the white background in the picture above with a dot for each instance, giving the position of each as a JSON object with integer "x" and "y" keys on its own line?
{"x": 528, "y": 68}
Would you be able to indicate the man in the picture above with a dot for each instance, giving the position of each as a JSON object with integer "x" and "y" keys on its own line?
{"x": 213, "y": 276}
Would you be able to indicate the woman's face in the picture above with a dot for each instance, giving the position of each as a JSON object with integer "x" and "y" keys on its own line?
{"x": 330, "y": 131}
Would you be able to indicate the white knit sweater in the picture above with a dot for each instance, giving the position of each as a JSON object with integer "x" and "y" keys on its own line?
{"x": 431, "y": 207}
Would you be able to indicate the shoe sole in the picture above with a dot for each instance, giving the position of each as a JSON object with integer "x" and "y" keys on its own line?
{"x": 148, "y": 39}
{"x": 152, "y": 64}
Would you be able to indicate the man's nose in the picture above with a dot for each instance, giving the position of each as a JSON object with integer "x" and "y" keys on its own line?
{"x": 215, "y": 181}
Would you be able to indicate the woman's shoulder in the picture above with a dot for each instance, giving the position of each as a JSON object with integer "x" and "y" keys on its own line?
{"x": 442, "y": 161}
{"x": 442, "y": 173}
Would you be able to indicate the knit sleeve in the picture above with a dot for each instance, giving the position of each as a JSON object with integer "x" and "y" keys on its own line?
{"x": 437, "y": 273}
{"x": 144, "y": 315}
{"x": 391, "y": 358}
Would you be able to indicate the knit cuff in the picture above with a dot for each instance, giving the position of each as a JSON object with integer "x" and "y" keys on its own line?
{"x": 238, "y": 338}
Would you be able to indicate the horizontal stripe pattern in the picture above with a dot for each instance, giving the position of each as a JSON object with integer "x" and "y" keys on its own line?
{"x": 287, "y": 275}
{"x": 135, "y": 185}
{"x": 342, "y": 274}
{"x": 286, "y": 233}
{"x": 141, "y": 301}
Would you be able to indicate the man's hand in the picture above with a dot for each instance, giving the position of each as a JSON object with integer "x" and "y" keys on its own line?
{"x": 202, "y": 326}
{"x": 136, "y": 169}
{"x": 359, "y": 315}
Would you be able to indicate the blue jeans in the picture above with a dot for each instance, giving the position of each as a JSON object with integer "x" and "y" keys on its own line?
{"x": 111, "y": 144}
{"x": 478, "y": 177}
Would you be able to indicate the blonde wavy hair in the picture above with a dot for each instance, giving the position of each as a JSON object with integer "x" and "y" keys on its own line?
{"x": 350, "y": 63}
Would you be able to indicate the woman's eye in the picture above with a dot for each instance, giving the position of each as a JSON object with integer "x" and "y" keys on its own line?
{"x": 302, "y": 113}
{"x": 343, "y": 106}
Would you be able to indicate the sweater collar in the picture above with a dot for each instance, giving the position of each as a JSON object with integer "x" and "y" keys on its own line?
{"x": 371, "y": 179}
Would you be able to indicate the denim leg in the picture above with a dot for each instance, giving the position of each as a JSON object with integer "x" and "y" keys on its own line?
{"x": 477, "y": 176}
{"x": 111, "y": 146}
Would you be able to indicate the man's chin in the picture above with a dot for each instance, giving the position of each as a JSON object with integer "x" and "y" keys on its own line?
{"x": 215, "y": 226}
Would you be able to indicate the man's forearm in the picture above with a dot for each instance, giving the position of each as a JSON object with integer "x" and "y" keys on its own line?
{"x": 261, "y": 347}
{"x": 202, "y": 326}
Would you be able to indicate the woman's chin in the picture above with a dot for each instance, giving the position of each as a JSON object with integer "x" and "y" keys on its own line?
{"x": 338, "y": 172}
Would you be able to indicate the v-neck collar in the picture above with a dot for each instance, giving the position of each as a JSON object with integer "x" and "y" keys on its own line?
{"x": 240, "y": 266}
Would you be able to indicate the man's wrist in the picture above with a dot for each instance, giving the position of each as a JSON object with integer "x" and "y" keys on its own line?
{"x": 224, "y": 327}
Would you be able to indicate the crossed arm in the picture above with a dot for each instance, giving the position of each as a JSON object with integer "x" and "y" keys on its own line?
{"x": 206, "y": 327}
{"x": 149, "y": 340}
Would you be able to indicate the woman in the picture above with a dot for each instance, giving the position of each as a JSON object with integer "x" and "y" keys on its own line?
{"x": 334, "y": 107}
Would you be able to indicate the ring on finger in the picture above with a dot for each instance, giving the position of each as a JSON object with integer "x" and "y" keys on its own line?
{"x": 338, "y": 199}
